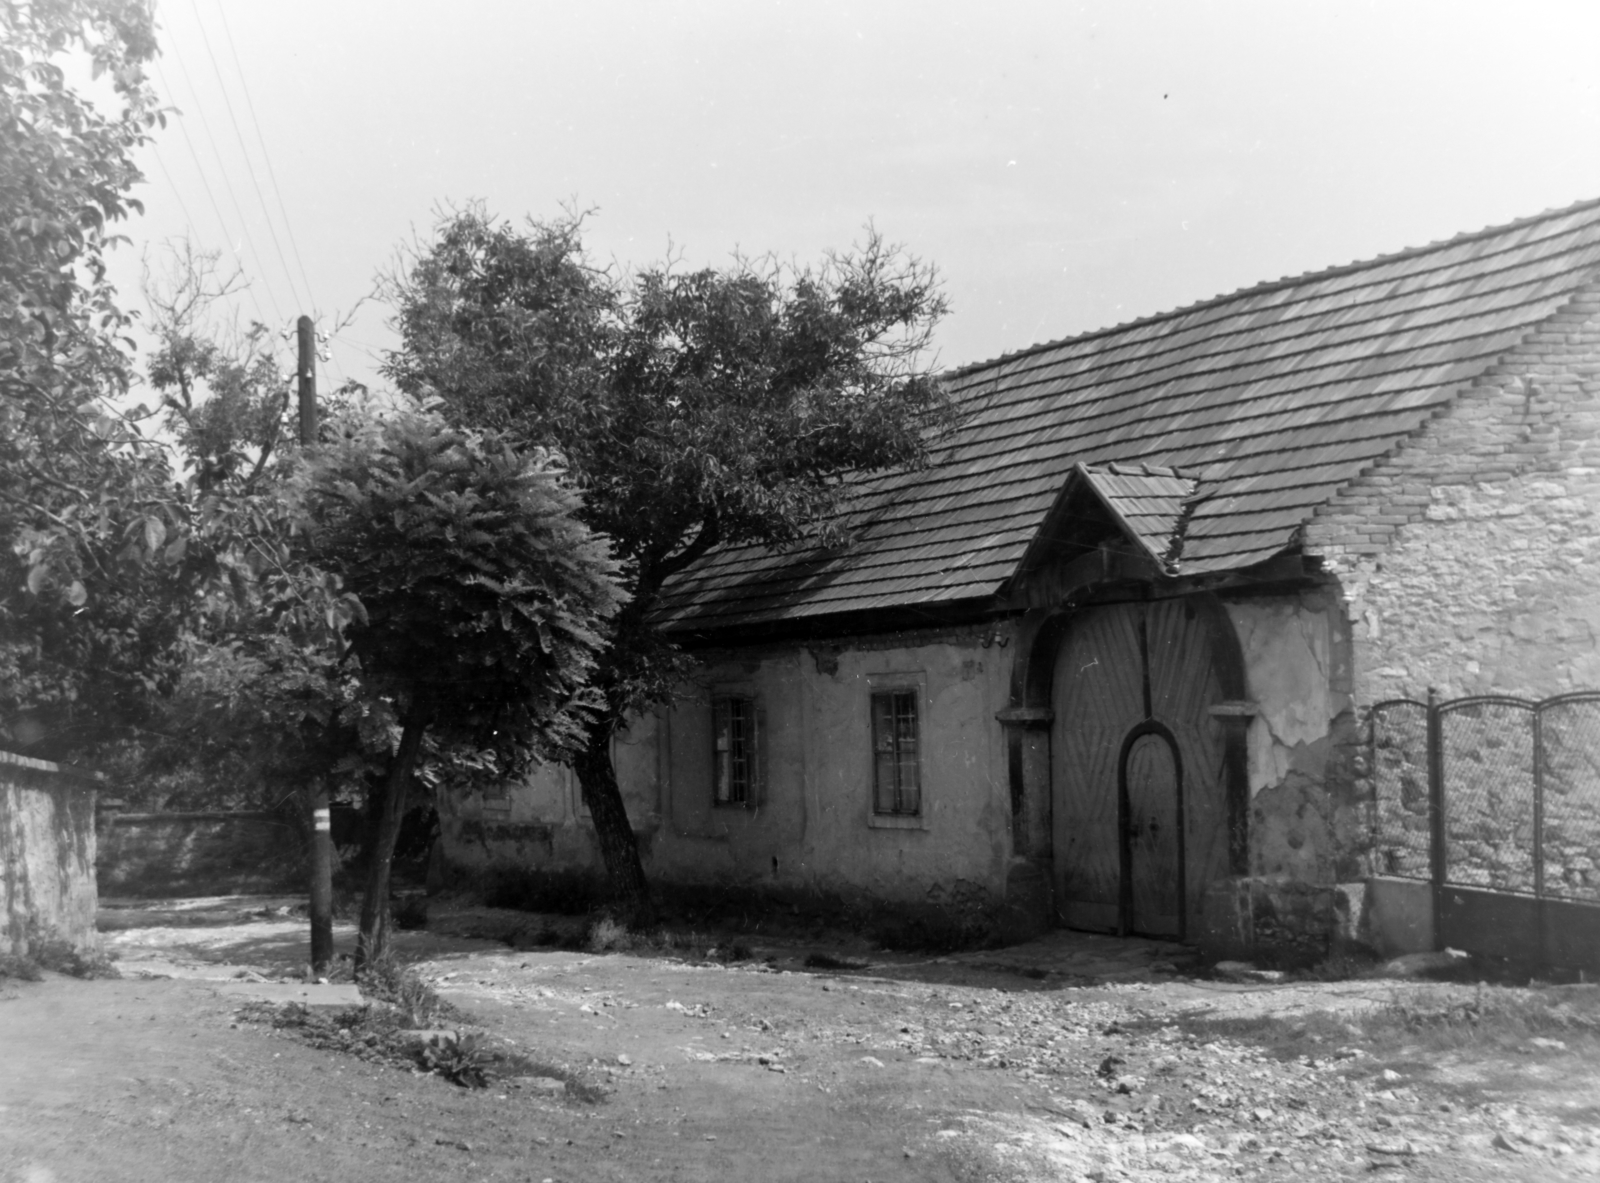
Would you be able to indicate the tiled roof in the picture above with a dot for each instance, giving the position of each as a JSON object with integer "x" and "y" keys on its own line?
{"x": 1268, "y": 400}
{"x": 1148, "y": 501}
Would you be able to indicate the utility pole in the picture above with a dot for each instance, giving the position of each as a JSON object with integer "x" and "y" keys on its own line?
{"x": 321, "y": 818}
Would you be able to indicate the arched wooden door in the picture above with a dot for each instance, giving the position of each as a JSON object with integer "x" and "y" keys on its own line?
{"x": 1138, "y": 807}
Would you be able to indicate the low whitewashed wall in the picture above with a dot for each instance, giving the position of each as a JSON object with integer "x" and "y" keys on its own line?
{"x": 47, "y": 849}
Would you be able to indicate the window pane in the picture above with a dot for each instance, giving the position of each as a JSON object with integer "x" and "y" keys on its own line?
{"x": 738, "y": 750}
{"x": 895, "y": 783}
{"x": 733, "y": 754}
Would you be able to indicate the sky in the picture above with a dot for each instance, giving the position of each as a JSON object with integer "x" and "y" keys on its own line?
{"x": 1065, "y": 166}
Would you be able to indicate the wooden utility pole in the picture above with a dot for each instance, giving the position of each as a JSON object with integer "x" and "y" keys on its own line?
{"x": 321, "y": 817}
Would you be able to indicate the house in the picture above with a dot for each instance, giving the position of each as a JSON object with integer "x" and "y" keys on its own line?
{"x": 1104, "y": 662}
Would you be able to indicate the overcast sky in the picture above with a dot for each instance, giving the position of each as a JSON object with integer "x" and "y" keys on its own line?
{"x": 1066, "y": 166}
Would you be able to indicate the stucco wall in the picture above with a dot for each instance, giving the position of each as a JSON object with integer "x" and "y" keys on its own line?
{"x": 1471, "y": 558}
{"x": 811, "y": 826}
{"x": 47, "y": 848}
{"x": 1307, "y": 820}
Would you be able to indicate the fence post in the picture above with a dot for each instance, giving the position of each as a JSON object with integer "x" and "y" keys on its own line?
{"x": 1538, "y": 833}
{"x": 1538, "y": 803}
{"x": 1436, "y": 818}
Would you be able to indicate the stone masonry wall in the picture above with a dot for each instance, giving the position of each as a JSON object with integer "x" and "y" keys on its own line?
{"x": 1470, "y": 563}
{"x": 1470, "y": 558}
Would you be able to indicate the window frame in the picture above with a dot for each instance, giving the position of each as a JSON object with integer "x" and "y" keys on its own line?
{"x": 914, "y": 685}
{"x": 752, "y": 743}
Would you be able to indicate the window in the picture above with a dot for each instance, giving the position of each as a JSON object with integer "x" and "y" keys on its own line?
{"x": 896, "y": 784}
{"x": 733, "y": 759}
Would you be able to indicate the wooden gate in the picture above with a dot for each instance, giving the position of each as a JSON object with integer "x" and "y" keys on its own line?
{"x": 1139, "y": 812}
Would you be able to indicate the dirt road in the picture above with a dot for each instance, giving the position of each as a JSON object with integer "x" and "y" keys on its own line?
{"x": 908, "y": 1068}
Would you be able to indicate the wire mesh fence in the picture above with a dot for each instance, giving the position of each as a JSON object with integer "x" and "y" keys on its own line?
{"x": 1490, "y": 792}
{"x": 1403, "y": 821}
{"x": 1570, "y": 822}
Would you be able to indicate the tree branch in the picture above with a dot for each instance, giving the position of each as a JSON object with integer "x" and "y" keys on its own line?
{"x": 710, "y": 534}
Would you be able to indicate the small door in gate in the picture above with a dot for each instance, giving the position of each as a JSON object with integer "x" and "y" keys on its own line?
{"x": 1151, "y": 777}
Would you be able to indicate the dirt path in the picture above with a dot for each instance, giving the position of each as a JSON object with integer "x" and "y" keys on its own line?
{"x": 910, "y": 1068}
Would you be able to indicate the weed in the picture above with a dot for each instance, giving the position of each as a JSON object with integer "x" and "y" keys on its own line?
{"x": 607, "y": 936}
{"x": 49, "y": 950}
{"x": 377, "y": 1035}
{"x": 460, "y": 1059}
{"x": 23, "y": 969}
{"x": 416, "y": 1002}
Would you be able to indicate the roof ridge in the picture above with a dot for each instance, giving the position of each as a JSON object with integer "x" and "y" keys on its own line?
{"x": 1172, "y": 358}
{"x": 1271, "y": 285}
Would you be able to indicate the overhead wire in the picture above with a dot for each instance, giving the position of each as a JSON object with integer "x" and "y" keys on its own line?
{"x": 248, "y": 166}
{"x": 222, "y": 223}
{"x": 188, "y": 218}
{"x": 272, "y": 174}
{"x": 227, "y": 182}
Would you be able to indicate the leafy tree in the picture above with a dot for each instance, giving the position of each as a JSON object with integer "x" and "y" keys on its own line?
{"x": 225, "y": 394}
{"x": 481, "y": 597}
{"x": 88, "y": 589}
{"x": 696, "y": 408}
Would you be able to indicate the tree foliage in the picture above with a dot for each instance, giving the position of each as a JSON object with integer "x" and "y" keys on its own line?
{"x": 225, "y": 394}
{"x": 481, "y": 596}
{"x": 87, "y": 521}
{"x": 696, "y": 407}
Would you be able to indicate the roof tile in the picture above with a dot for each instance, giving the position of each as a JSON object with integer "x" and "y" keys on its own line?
{"x": 1246, "y": 411}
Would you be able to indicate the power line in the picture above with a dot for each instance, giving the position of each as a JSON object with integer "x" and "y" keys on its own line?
{"x": 248, "y": 167}
{"x": 265, "y": 155}
{"x": 222, "y": 222}
{"x": 176, "y": 192}
{"x": 244, "y": 223}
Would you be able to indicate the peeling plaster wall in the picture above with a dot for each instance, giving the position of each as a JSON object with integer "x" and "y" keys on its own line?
{"x": 47, "y": 849}
{"x": 1307, "y": 824}
{"x": 810, "y": 828}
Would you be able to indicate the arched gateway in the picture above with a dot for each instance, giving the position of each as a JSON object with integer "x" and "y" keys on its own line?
{"x": 1140, "y": 811}
{"x": 1127, "y": 719}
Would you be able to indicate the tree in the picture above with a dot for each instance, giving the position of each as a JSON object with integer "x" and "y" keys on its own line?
{"x": 481, "y": 596}
{"x": 88, "y": 586}
{"x": 696, "y": 408}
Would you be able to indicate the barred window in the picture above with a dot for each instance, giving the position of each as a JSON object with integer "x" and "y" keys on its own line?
{"x": 734, "y": 758}
{"x": 896, "y": 784}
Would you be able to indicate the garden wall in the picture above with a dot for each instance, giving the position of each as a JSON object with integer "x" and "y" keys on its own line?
{"x": 47, "y": 854}
{"x": 219, "y": 853}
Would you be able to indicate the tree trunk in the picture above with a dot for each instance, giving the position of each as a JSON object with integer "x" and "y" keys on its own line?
{"x": 630, "y": 893}
{"x": 374, "y": 939}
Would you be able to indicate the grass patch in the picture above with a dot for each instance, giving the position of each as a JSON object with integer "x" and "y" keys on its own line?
{"x": 382, "y": 1035}
{"x": 18, "y": 968}
{"x": 398, "y": 987}
{"x": 48, "y": 950}
{"x": 408, "y": 1025}
{"x": 606, "y": 934}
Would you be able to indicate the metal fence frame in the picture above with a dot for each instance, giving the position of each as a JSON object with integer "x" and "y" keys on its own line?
{"x": 1558, "y": 918}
